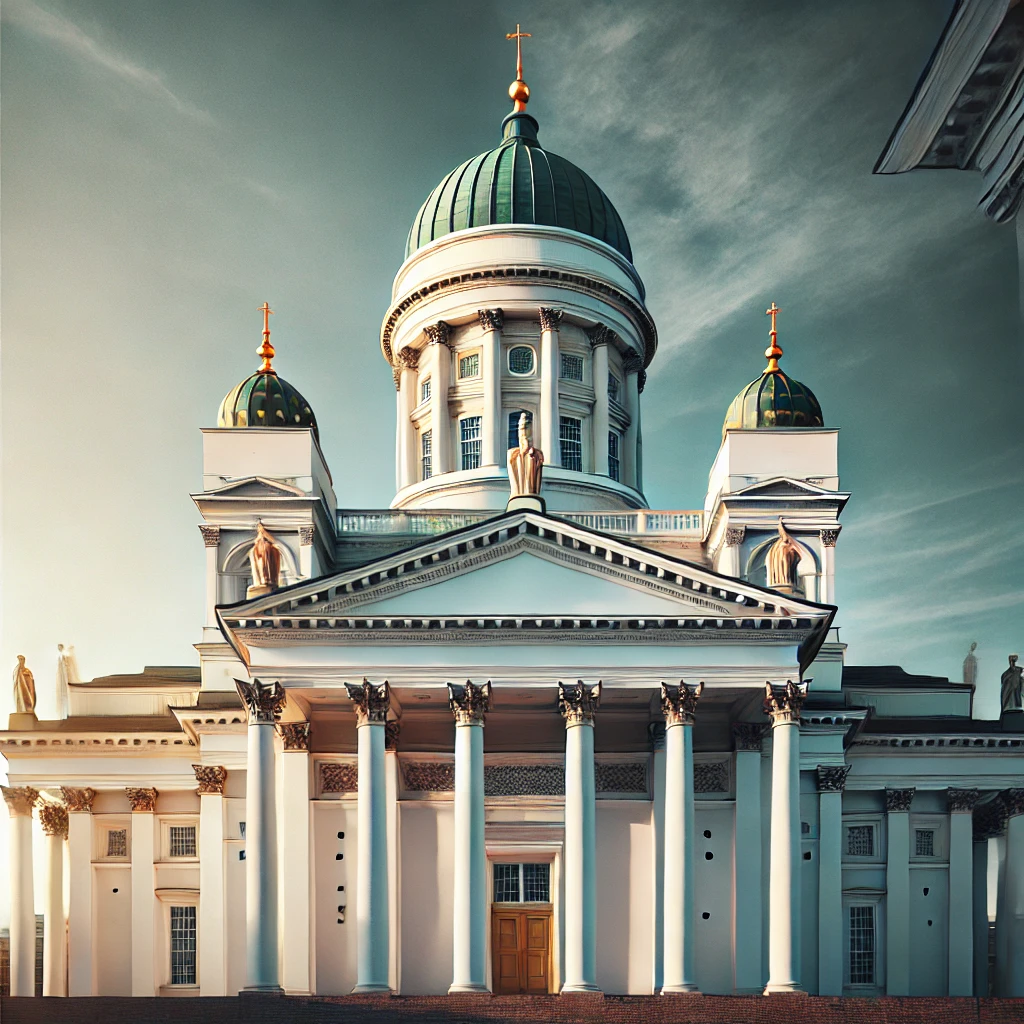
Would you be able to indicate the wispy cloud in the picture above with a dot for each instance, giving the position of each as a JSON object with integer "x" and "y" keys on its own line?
{"x": 74, "y": 40}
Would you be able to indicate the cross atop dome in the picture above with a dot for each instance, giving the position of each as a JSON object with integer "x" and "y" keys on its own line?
{"x": 519, "y": 91}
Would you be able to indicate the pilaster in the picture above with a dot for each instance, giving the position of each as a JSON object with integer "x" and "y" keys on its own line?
{"x": 143, "y": 801}
{"x": 1013, "y": 802}
{"x": 831, "y": 783}
{"x": 408, "y": 361}
{"x": 749, "y": 905}
{"x": 961, "y": 900}
{"x": 212, "y": 881}
{"x": 600, "y": 337}
{"x": 440, "y": 378}
{"x": 988, "y": 824}
{"x": 897, "y": 892}
{"x": 632, "y": 365}
{"x": 296, "y": 951}
{"x": 550, "y": 320}
{"x": 80, "y": 926}
{"x": 492, "y": 436}
{"x": 211, "y": 544}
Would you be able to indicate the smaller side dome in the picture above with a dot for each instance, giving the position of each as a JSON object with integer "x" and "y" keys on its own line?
{"x": 773, "y": 399}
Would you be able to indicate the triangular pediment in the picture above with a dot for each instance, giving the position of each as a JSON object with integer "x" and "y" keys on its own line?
{"x": 256, "y": 487}
{"x": 781, "y": 487}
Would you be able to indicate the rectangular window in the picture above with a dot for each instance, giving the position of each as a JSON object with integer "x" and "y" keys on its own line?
{"x": 570, "y": 442}
{"x": 469, "y": 440}
{"x": 862, "y": 945}
{"x": 117, "y": 842}
{"x": 183, "y": 945}
{"x": 426, "y": 454}
{"x": 183, "y": 840}
{"x": 513, "y": 426}
{"x": 860, "y": 841}
{"x": 522, "y": 883}
{"x": 469, "y": 366}
{"x": 425, "y": 391}
{"x": 613, "y": 455}
{"x": 572, "y": 367}
{"x": 924, "y": 842}
{"x": 536, "y": 883}
{"x": 506, "y": 883}
{"x": 613, "y": 387}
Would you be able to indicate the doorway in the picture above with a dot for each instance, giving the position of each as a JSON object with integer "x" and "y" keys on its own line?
{"x": 521, "y": 923}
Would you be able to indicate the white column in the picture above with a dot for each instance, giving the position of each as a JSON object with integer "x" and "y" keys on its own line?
{"x": 897, "y": 892}
{"x": 295, "y": 944}
{"x": 961, "y": 897}
{"x": 999, "y": 985}
{"x": 979, "y": 914}
{"x": 469, "y": 704}
{"x": 600, "y": 337}
{"x": 729, "y": 563}
{"x": 632, "y": 365}
{"x": 657, "y": 730}
{"x": 831, "y": 782}
{"x": 143, "y": 845}
{"x": 20, "y": 801}
{"x": 407, "y": 399}
{"x": 679, "y": 705}
{"x": 440, "y": 374}
{"x": 80, "y": 939}
{"x": 492, "y": 435}
{"x": 54, "y": 819}
{"x": 747, "y": 858}
{"x": 578, "y": 704}
{"x": 784, "y": 891}
{"x": 550, "y": 319}
{"x": 372, "y": 944}
{"x": 1013, "y": 801}
{"x": 212, "y": 917}
{"x": 307, "y": 534}
{"x": 264, "y": 704}
{"x": 211, "y": 542}
{"x": 399, "y": 464}
{"x": 828, "y": 566}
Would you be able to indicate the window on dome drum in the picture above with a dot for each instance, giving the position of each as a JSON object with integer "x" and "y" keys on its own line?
{"x": 862, "y": 945}
{"x": 520, "y": 360}
{"x": 182, "y": 840}
{"x": 425, "y": 391}
{"x": 183, "y": 945}
{"x": 513, "y": 426}
{"x": 469, "y": 440}
{"x": 924, "y": 842}
{"x": 613, "y": 387}
{"x": 522, "y": 883}
{"x": 860, "y": 840}
{"x": 570, "y": 441}
{"x": 469, "y": 366}
{"x": 572, "y": 367}
{"x": 117, "y": 842}
{"x": 426, "y": 454}
{"x": 613, "y": 455}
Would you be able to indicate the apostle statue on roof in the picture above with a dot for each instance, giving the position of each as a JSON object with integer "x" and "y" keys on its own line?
{"x": 1010, "y": 686}
{"x": 24, "y": 688}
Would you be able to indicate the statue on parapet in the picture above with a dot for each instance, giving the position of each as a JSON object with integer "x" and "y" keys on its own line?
{"x": 24, "y": 688}
{"x": 525, "y": 469}
{"x": 265, "y": 562}
{"x": 1010, "y": 687}
{"x": 971, "y": 665}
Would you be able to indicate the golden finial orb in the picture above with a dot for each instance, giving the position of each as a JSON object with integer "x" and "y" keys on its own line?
{"x": 773, "y": 352}
{"x": 266, "y": 350}
{"x": 519, "y": 91}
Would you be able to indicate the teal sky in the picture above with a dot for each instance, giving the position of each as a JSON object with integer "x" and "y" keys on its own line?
{"x": 169, "y": 166}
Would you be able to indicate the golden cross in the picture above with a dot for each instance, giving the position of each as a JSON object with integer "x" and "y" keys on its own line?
{"x": 772, "y": 352}
{"x": 772, "y": 311}
{"x": 266, "y": 350}
{"x": 266, "y": 311}
{"x": 519, "y": 36}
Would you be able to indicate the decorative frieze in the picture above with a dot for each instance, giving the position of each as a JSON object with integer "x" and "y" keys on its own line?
{"x": 783, "y": 704}
{"x": 391, "y": 731}
{"x": 898, "y": 801}
{"x": 491, "y": 319}
{"x": 620, "y": 777}
{"x": 439, "y": 333}
{"x": 295, "y": 735}
{"x": 143, "y": 801}
{"x": 429, "y": 776}
{"x": 524, "y": 780}
{"x": 1012, "y": 801}
{"x": 211, "y": 535}
{"x": 550, "y": 319}
{"x": 371, "y": 700}
{"x": 339, "y": 777}
{"x": 77, "y": 799}
{"x": 599, "y": 335}
{"x": 307, "y": 534}
{"x": 20, "y": 799}
{"x": 832, "y": 778}
{"x": 641, "y": 381}
{"x": 469, "y": 703}
{"x": 211, "y": 779}
{"x": 54, "y": 819}
{"x": 961, "y": 800}
{"x": 711, "y": 777}
{"x": 679, "y": 703}
{"x": 748, "y": 735}
{"x": 829, "y": 537}
{"x": 531, "y": 779}
{"x": 734, "y": 535}
{"x": 263, "y": 703}
{"x": 579, "y": 702}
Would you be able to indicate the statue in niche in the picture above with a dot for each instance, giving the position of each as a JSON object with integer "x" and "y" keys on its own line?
{"x": 265, "y": 562}
{"x": 24, "y": 688}
{"x": 781, "y": 563}
{"x": 971, "y": 665}
{"x": 525, "y": 463}
{"x": 1010, "y": 686}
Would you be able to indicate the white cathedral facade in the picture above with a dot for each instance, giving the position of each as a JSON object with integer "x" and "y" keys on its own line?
{"x": 558, "y": 743}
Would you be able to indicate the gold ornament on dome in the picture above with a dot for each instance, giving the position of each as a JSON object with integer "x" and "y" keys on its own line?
{"x": 519, "y": 91}
{"x": 266, "y": 350}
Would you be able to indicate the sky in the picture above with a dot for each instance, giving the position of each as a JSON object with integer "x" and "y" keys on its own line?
{"x": 167, "y": 167}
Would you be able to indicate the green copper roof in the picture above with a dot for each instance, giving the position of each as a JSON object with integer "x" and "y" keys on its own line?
{"x": 518, "y": 183}
{"x": 773, "y": 400}
{"x": 265, "y": 400}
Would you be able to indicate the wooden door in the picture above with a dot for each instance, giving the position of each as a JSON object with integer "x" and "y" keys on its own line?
{"x": 521, "y": 951}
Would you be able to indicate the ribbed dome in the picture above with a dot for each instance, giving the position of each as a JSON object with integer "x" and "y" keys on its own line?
{"x": 265, "y": 400}
{"x": 518, "y": 183}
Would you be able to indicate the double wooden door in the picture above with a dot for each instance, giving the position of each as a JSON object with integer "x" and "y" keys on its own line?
{"x": 521, "y": 951}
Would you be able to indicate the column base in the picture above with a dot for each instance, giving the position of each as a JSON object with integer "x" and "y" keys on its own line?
{"x": 587, "y": 990}
{"x": 784, "y": 988}
{"x": 262, "y": 990}
{"x": 680, "y": 990}
{"x": 371, "y": 990}
{"x": 469, "y": 988}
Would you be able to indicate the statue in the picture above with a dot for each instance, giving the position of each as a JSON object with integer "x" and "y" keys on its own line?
{"x": 265, "y": 562}
{"x": 67, "y": 673}
{"x": 24, "y": 688}
{"x": 971, "y": 665}
{"x": 1010, "y": 686}
{"x": 781, "y": 563}
{"x": 525, "y": 463}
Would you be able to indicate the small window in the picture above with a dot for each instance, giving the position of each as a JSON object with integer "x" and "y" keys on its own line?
{"x": 862, "y": 945}
{"x": 426, "y": 454}
{"x": 513, "y": 426}
{"x": 614, "y": 470}
{"x": 520, "y": 360}
{"x": 522, "y": 883}
{"x": 425, "y": 391}
{"x": 572, "y": 367}
{"x": 117, "y": 842}
{"x": 860, "y": 841}
{"x": 182, "y": 841}
{"x": 183, "y": 945}
{"x": 924, "y": 842}
{"x": 614, "y": 387}
{"x": 469, "y": 440}
{"x": 469, "y": 366}
{"x": 570, "y": 441}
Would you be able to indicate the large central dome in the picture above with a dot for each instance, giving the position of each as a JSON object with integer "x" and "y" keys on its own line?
{"x": 518, "y": 183}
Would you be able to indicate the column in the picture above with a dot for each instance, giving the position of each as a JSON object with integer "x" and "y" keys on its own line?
{"x": 747, "y": 857}
{"x": 961, "y": 899}
{"x": 729, "y": 564}
{"x": 264, "y": 704}
{"x": 143, "y": 803}
{"x": 295, "y": 935}
{"x": 988, "y": 823}
{"x": 578, "y": 704}
{"x": 213, "y": 978}
{"x": 632, "y": 364}
{"x": 550, "y": 319}
{"x": 408, "y": 398}
{"x": 827, "y": 594}
{"x": 783, "y": 705}
{"x": 440, "y": 376}
{"x": 469, "y": 705}
{"x": 897, "y": 892}
{"x": 657, "y": 732}
{"x": 20, "y": 801}
{"x": 600, "y": 337}
{"x": 1013, "y": 802}
{"x": 999, "y": 981}
{"x": 211, "y": 541}
{"x": 54, "y": 819}
{"x": 307, "y": 535}
{"x": 394, "y": 843}
{"x": 679, "y": 705}
{"x": 831, "y": 783}
{"x": 80, "y": 944}
{"x": 372, "y": 950}
{"x": 493, "y": 436}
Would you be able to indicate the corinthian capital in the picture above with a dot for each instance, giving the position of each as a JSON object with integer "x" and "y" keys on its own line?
{"x": 469, "y": 703}
{"x": 78, "y": 799}
{"x": 295, "y": 735}
{"x": 54, "y": 819}
{"x": 832, "y": 778}
{"x": 783, "y": 704}
{"x": 408, "y": 359}
{"x": 20, "y": 799}
{"x": 491, "y": 319}
{"x": 1012, "y": 801}
{"x": 961, "y": 800}
{"x": 550, "y": 319}
{"x": 599, "y": 335}
{"x": 438, "y": 333}
{"x": 371, "y": 700}
{"x": 747, "y": 735}
{"x": 898, "y": 800}
{"x": 264, "y": 703}
{"x": 679, "y": 703}
{"x": 211, "y": 778}
{"x": 578, "y": 703}
{"x": 211, "y": 535}
{"x": 143, "y": 801}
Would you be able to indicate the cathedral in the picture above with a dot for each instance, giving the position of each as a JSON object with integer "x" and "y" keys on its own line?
{"x": 519, "y": 732}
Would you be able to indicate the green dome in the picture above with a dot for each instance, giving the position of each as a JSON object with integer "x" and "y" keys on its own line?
{"x": 265, "y": 400}
{"x": 518, "y": 183}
